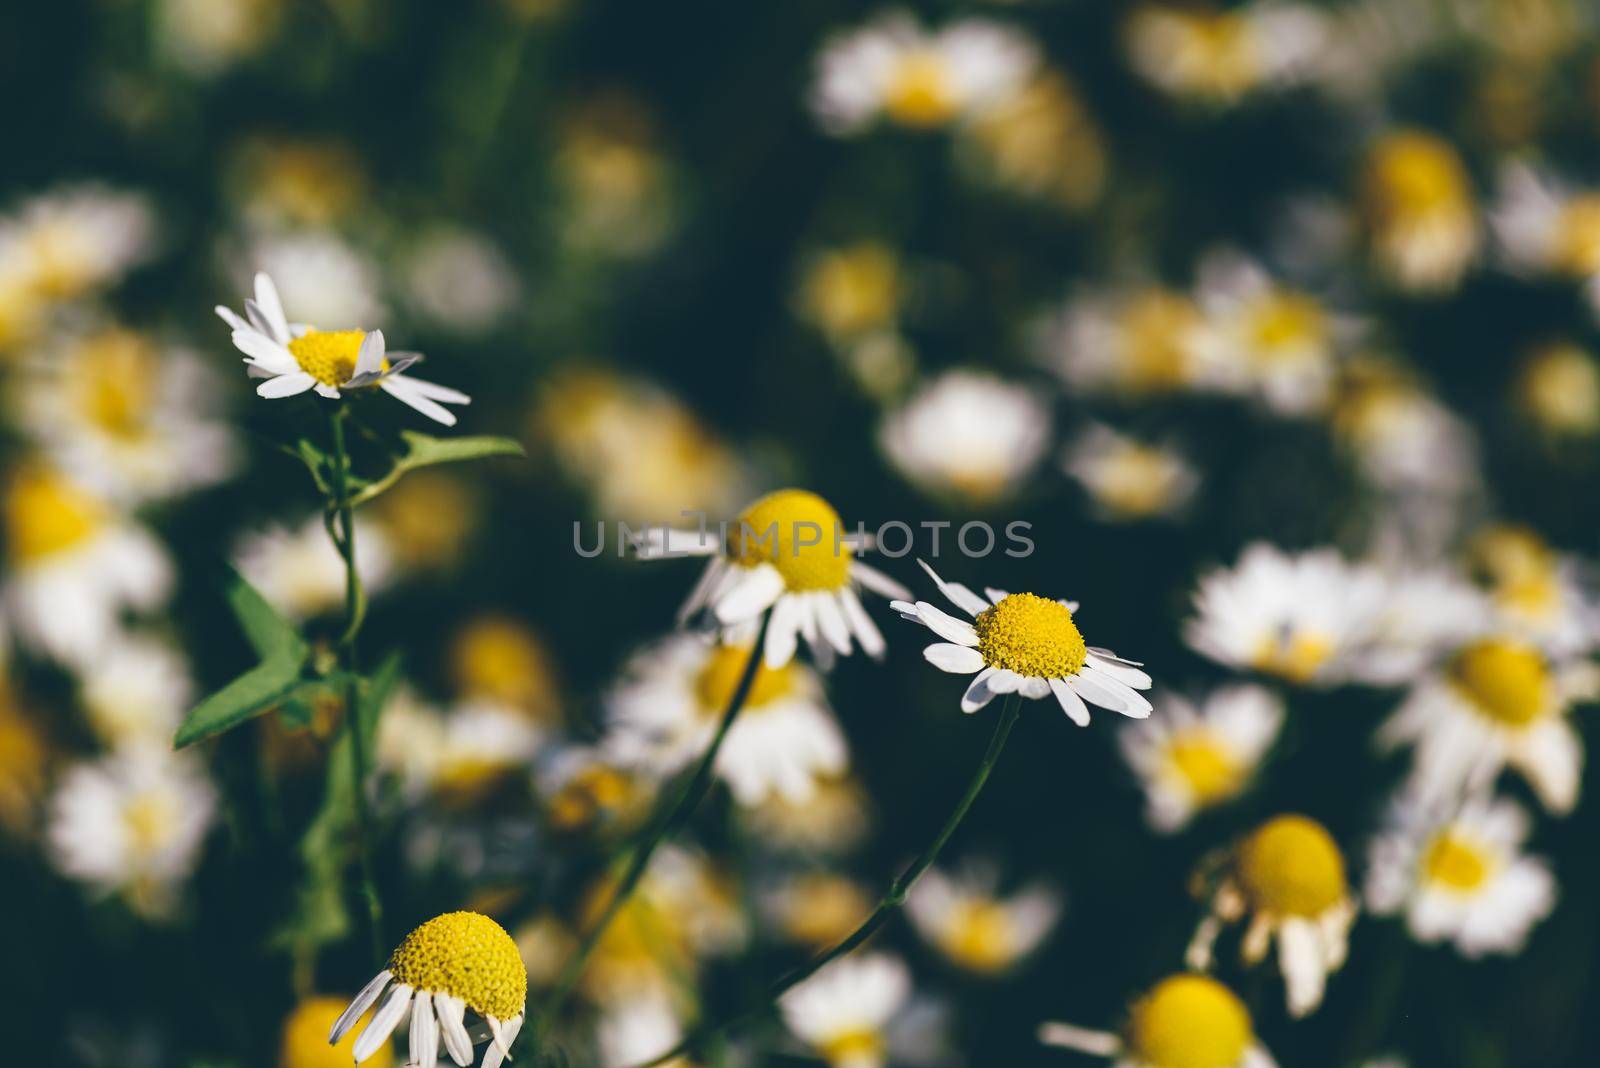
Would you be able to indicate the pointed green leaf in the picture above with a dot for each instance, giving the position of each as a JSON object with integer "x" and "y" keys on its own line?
{"x": 256, "y": 691}
{"x": 269, "y": 634}
{"x": 425, "y": 449}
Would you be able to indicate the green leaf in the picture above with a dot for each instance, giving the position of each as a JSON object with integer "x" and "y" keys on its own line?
{"x": 425, "y": 450}
{"x": 269, "y": 634}
{"x": 256, "y": 691}
{"x": 375, "y": 693}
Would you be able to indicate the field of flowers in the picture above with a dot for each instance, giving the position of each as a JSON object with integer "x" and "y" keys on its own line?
{"x": 599, "y": 535}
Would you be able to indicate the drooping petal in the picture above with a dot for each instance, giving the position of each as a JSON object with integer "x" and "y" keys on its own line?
{"x": 1071, "y": 703}
{"x": 285, "y": 385}
{"x": 956, "y": 659}
{"x": 958, "y": 594}
{"x": 390, "y": 1012}
{"x": 978, "y": 693}
{"x": 359, "y": 1005}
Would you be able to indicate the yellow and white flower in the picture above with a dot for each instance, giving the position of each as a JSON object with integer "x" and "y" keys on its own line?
{"x": 131, "y": 823}
{"x": 1288, "y": 878}
{"x": 136, "y": 691}
{"x": 1135, "y": 342}
{"x": 75, "y": 566}
{"x": 78, "y": 239}
{"x": 833, "y": 821}
{"x": 1220, "y": 55}
{"x": 816, "y": 908}
{"x": 1539, "y": 593}
{"x": 1129, "y": 480}
{"x": 1192, "y": 757}
{"x": 1404, "y": 439}
{"x": 1558, "y": 389}
{"x": 1040, "y": 141}
{"x": 893, "y": 68}
{"x": 1497, "y": 703}
{"x": 976, "y": 928}
{"x": 790, "y": 552}
{"x": 1422, "y": 218}
{"x": 462, "y": 981}
{"x": 1427, "y": 611}
{"x": 208, "y": 36}
{"x": 1307, "y": 618}
{"x": 662, "y": 716}
{"x": 460, "y": 755}
{"x": 634, "y": 1029}
{"x": 1184, "y": 1021}
{"x": 300, "y": 571}
{"x": 1462, "y": 879}
{"x": 844, "y": 1012}
{"x": 300, "y": 358}
{"x": 500, "y": 659}
{"x": 322, "y": 276}
{"x": 1545, "y": 227}
{"x": 1026, "y": 644}
{"x": 460, "y": 280}
{"x": 968, "y": 435}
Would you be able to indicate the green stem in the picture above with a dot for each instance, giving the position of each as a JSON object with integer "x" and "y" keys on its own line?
{"x": 891, "y": 901}
{"x": 668, "y": 823}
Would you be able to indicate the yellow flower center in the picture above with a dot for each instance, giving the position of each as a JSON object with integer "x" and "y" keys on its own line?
{"x": 594, "y": 791}
{"x": 1291, "y": 866}
{"x": 1296, "y": 657}
{"x": 1415, "y": 173}
{"x": 1158, "y": 327}
{"x": 329, "y": 356}
{"x": 1505, "y": 680}
{"x": 980, "y": 936}
{"x": 498, "y": 657}
{"x": 1031, "y": 635}
{"x": 1577, "y": 250}
{"x": 149, "y": 819}
{"x": 114, "y": 378}
{"x": 920, "y": 93}
{"x": 1189, "y": 1021}
{"x": 719, "y": 678}
{"x": 1560, "y": 388}
{"x": 795, "y": 531}
{"x": 1135, "y": 481}
{"x": 1287, "y": 324}
{"x": 1456, "y": 863}
{"x": 46, "y": 514}
{"x": 824, "y": 908}
{"x": 1203, "y": 764}
{"x": 854, "y": 290}
{"x": 466, "y": 955}
{"x": 852, "y": 1048}
{"x": 305, "y": 1037}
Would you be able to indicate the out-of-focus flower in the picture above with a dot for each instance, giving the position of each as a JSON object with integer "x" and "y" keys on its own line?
{"x": 637, "y": 1028}
{"x": 851, "y": 292}
{"x": 1462, "y": 879}
{"x": 24, "y": 754}
{"x": 1134, "y": 343}
{"x": 296, "y": 182}
{"x": 427, "y": 519}
{"x": 844, "y": 1012}
{"x": 324, "y": 277}
{"x": 453, "y": 963}
{"x": 132, "y": 823}
{"x": 1288, "y": 877}
{"x": 893, "y": 68}
{"x": 1129, "y": 480}
{"x": 77, "y": 239}
{"x": 459, "y": 279}
{"x": 835, "y": 819}
{"x": 305, "y": 1038}
{"x": 1427, "y": 611}
{"x": 1404, "y": 439}
{"x": 498, "y": 658}
{"x": 303, "y": 358}
{"x": 1420, "y": 211}
{"x": 1184, "y": 1021}
{"x": 968, "y": 435}
{"x": 207, "y": 36}
{"x": 1040, "y": 142}
{"x": 1307, "y": 618}
{"x": 1192, "y": 757}
{"x": 127, "y": 417}
{"x": 136, "y": 691}
{"x": 301, "y": 573}
{"x": 584, "y": 792}
{"x": 1541, "y": 594}
{"x": 74, "y": 566}
{"x": 1547, "y": 228}
{"x": 23, "y": 309}
{"x": 618, "y": 193}
{"x": 974, "y": 926}
{"x": 788, "y": 551}
{"x": 1218, "y": 56}
{"x": 817, "y": 908}
{"x": 1558, "y": 389}
{"x": 1497, "y": 703}
{"x": 662, "y": 716}
{"x": 545, "y": 944}
{"x": 460, "y": 756}
{"x": 1027, "y": 644}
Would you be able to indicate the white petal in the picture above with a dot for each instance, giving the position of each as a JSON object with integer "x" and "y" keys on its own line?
{"x": 979, "y": 693}
{"x": 958, "y": 594}
{"x": 453, "y": 1028}
{"x": 369, "y": 358}
{"x": 508, "y": 1034}
{"x": 422, "y": 1049}
{"x": 1123, "y": 673}
{"x": 1071, "y": 703}
{"x": 753, "y": 591}
{"x": 946, "y": 626}
{"x": 285, "y": 385}
{"x": 271, "y": 306}
{"x": 434, "y": 391}
{"x": 231, "y": 317}
{"x": 390, "y": 1012}
{"x": 867, "y": 632}
{"x": 1067, "y": 1036}
{"x": 996, "y": 595}
{"x": 956, "y": 659}
{"x": 1107, "y": 692}
{"x": 878, "y": 582}
{"x": 783, "y": 633}
{"x": 265, "y": 352}
{"x": 830, "y": 618}
{"x": 400, "y": 389}
{"x": 1004, "y": 681}
{"x": 358, "y": 1005}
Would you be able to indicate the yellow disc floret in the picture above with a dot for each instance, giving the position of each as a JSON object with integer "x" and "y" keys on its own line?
{"x": 305, "y": 1037}
{"x": 1455, "y": 862}
{"x": 329, "y": 356}
{"x": 1291, "y": 866}
{"x": 1505, "y": 680}
{"x": 1189, "y": 1021}
{"x": 1202, "y": 764}
{"x": 46, "y": 514}
{"x": 465, "y": 955}
{"x": 720, "y": 675}
{"x": 1031, "y": 635}
{"x": 796, "y": 532}
{"x": 920, "y": 94}
{"x": 980, "y": 936}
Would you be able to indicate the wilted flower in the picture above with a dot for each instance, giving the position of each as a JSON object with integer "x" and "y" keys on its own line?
{"x": 968, "y": 435}
{"x": 1184, "y": 1021}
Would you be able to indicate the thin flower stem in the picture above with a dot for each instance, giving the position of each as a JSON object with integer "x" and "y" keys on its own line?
{"x": 355, "y": 609}
{"x": 666, "y": 825}
{"x": 891, "y": 901}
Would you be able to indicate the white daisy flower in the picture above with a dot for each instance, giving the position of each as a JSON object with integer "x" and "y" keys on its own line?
{"x": 790, "y": 552}
{"x": 663, "y": 715}
{"x": 1462, "y": 879}
{"x": 893, "y": 68}
{"x": 325, "y": 278}
{"x": 1221, "y": 55}
{"x": 299, "y": 358}
{"x": 1422, "y": 217}
{"x": 968, "y": 435}
{"x": 460, "y": 279}
{"x": 1306, "y": 618}
{"x": 1542, "y": 595}
{"x": 1189, "y": 758}
{"x": 1545, "y": 227}
{"x": 1134, "y": 342}
{"x": 816, "y": 908}
{"x": 207, "y": 36}
{"x": 834, "y": 820}
{"x": 845, "y": 1010}
{"x": 136, "y": 691}
{"x": 1426, "y": 612}
{"x": 300, "y": 571}
{"x": 81, "y": 238}
{"x": 1184, "y": 1021}
{"x": 460, "y": 979}
{"x": 457, "y": 756}
{"x": 1498, "y": 703}
{"x": 1027, "y": 644}
{"x": 75, "y": 566}
{"x": 131, "y": 823}
{"x": 1127, "y": 479}
{"x": 1558, "y": 389}
{"x": 1288, "y": 878}
{"x": 1404, "y": 439}
{"x": 975, "y": 927}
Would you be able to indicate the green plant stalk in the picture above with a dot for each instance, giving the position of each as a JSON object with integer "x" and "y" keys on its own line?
{"x": 668, "y": 823}
{"x": 891, "y": 901}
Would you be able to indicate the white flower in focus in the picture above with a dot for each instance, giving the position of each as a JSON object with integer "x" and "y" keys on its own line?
{"x": 845, "y": 1010}
{"x": 976, "y": 928}
{"x": 79, "y": 238}
{"x": 1184, "y": 1021}
{"x": 136, "y": 692}
{"x": 1190, "y": 757}
{"x": 460, "y": 279}
{"x": 300, "y": 572}
{"x": 968, "y": 435}
{"x": 1126, "y": 479}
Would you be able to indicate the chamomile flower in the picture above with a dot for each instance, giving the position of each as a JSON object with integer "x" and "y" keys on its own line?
{"x": 1306, "y": 618}
{"x": 844, "y": 1012}
{"x": 131, "y": 823}
{"x": 1462, "y": 879}
{"x": 1421, "y": 216}
{"x": 24, "y": 761}
{"x": 816, "y": 908}
{"x": 460, "y": 280}
{"x": 462, "y": 981}
{"x": 305, "y": 1037}
{"x": 77, "y": 239}
{"x": 663, "y": 715}
{"x": 500, "y": 659}
{"x": 75, "y": 566}
{"x": 1558, "y": 389}
{"x": 1128, "y": 480}
{"x": 1537, "y": 592}
{"x": 300, "y": 571}
{"x": 583, "y": 790}
{"x": 459, "y": 756}
{"x": 1427, "y": 611}
{"x": 325, "y": 279}
{"x": 1545, "y": 227}
{"x": 852, "y": 292}
{"x": 975, "y": 927}
{"x": 790, "y": 552}
{"x": 300, "y": 358}
{"x": 1137, "y": 342}
{"x": 1497, "y": 703}
{"x": 1184, "y": 1021}
{"x": 893, "y": 68}
{"x": 968, "y": 435}
{"x": 1190, "y": 757}
{"x": 1220, "y": 55}
{"x": 1027, "y": 644}
{"x": 835, "y": 820}
{"x": 1040, "y": 142}
{"x": 1405, "y": 440}
{"x": 136, "y": 691}
{"x": 1288, "y": 878}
